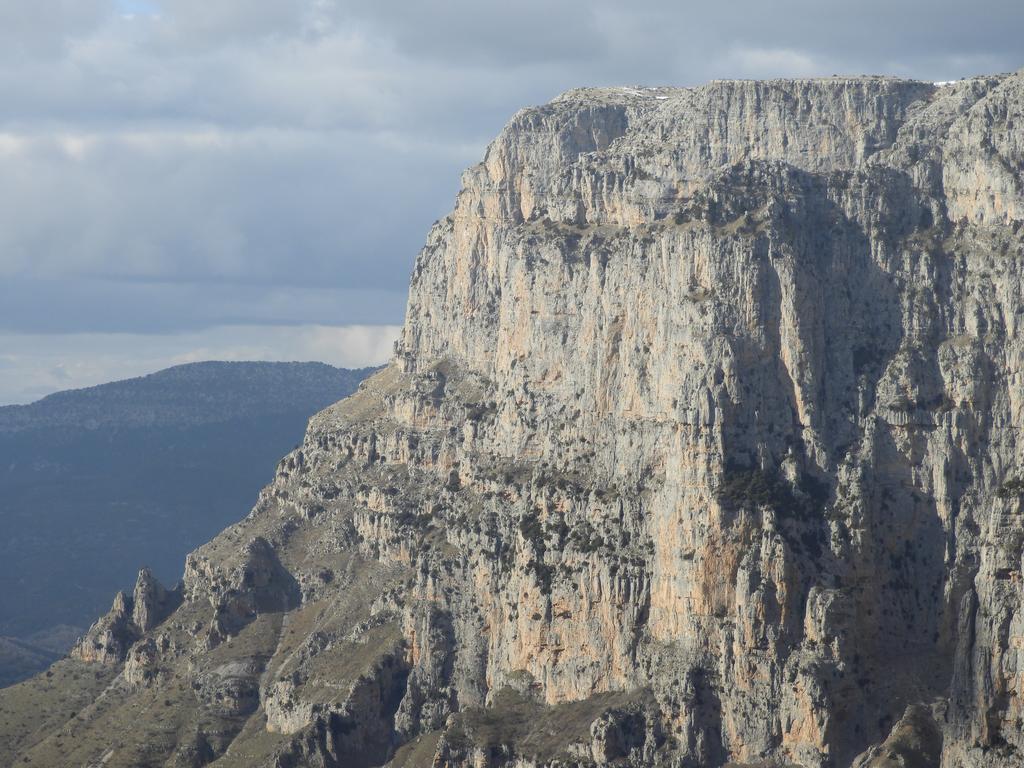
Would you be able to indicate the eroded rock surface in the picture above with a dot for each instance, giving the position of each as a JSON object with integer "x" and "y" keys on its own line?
{"x": 701, "y": 445}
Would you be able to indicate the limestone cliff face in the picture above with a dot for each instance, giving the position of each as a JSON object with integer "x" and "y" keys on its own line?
{"x": 702, "y": 444}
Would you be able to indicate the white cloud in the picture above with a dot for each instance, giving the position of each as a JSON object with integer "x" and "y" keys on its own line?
{"x": 780, "y": 62}
{"x": 34, "y": 365}
{"x": 12, "y": 144}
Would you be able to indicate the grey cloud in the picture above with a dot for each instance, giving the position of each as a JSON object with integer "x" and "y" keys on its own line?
{"x": 506, "y": 34}
{"x": 363, "y": 65}
{"x": 44, "y": 28}
{"x": 680, "y": 42}
{"x": 286, "y": 209}
{"x": 72, "y": 306}
{"x": 193, "y": 25}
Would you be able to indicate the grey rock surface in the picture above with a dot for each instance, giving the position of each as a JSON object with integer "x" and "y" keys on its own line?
{"x": 701, "y": 446}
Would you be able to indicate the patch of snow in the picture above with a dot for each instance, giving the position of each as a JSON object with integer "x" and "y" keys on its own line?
{"x": 646, "y": 91}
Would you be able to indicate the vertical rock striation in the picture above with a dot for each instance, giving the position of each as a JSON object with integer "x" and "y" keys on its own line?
{"x": 701, "y": 445}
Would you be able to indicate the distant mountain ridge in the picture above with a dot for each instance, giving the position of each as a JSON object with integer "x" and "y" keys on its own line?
{"x": 95, "y": 482}
{"x": 185, "y": 394}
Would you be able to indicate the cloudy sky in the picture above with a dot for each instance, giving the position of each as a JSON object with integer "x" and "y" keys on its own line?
{"x": 252, "y": 179}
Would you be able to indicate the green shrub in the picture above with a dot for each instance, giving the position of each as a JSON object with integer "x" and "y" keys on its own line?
{"x": 746, "y": 488}
{"x": 1011, "y": 489}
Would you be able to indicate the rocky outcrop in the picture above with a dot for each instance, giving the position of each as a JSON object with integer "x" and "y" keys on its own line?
{"x": 151, "y": 603}
{"x": 130, "y": 617}
{"x": 916, "y": 740}
{"x": 700, "y": 447}
{"x": 108, "y": 640}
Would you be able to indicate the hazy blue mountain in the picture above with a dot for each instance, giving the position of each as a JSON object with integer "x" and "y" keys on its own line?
{"x": 96, "y": 482}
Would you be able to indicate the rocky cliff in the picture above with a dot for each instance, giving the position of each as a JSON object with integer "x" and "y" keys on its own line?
{"x": 701, "y": 446}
